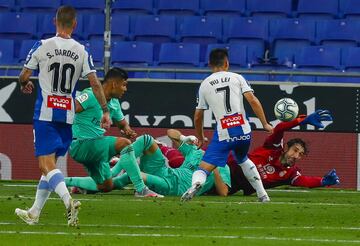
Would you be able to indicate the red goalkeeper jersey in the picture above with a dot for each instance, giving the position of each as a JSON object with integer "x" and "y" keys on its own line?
{"x": 272, "y": 172}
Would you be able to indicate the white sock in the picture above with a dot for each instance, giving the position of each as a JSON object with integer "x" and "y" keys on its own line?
{"x": 199, "y": 176}
{"x": 56, "y": 182}
{"x": 253, "y": 176}
{"x": 42, "y": 194}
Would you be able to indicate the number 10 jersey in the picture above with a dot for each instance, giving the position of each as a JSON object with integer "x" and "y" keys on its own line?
{"x": 61, "y": 62}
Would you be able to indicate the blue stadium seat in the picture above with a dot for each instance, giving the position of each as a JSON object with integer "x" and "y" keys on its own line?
{"x": 246, "y": 29}
{"x": 47, "y": 29}
{"x": 38, "y": 5}
{"x": 120, "y": 27}
{"x": 178, "y": 7}
{"x": 269, "y": 9}
{"x": 350, "y": 63}
{"x": 132, "y": 53}
{"x": 6, "y": 5}
{"x": 223, "y": 7}
{"x": 96, "y": 50}
{"x": 179, "y": 54}
{"x": 288, "y": 36}
{"x": 133, "y": 6}
{"x": 18, "y": 25}
{"x": 25, "y": 47}
{"x": 156, "y": 29}
{"x": 86, "y": 6}
{"x": 237, "y": 55}
{"x": 319, "y": 57}
{"x": 317, "y": 9}
{"x": 350, "y": 9}
{"x": 6, "y": 51}
{"x": 200, "y": 29}
{"x": 338, "y": 32}
{"x": 94, "y": 27}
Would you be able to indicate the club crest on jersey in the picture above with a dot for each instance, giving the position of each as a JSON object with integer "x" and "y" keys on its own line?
{"x": 232, "y": 121}
{"x": 59, "y": 102}
{"x": 82, "y": 98}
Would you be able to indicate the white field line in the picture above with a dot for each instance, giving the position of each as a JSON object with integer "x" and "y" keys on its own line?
{"x": 182, "y": 236}
{"x": 271, "y": 190}
{"x": 203, "y": 227}
{"x": 113, "y": 199}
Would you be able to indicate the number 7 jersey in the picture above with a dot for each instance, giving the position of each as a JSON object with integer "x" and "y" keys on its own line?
{"x": 61, "y": 62}
{"x": 222, "y": 92}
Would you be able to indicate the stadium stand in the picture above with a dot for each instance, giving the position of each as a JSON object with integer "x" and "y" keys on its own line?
{"x": 133, "y": 7}
{"x": 177, "y": 7}
{"x": 263, "y": 34}
{"x": 270, "y": 9}
{"x": 223, "y": 7}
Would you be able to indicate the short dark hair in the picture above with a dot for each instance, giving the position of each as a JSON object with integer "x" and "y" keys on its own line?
{"x": 65, "y": 15}
{"x": 116, "y": 73}
{"x": 217, "y": 57}
{"x": 293, "y": 141}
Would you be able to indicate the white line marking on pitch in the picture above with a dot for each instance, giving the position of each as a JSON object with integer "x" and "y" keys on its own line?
{"x": 203, "y": 227}
{"x": 206, "y": 202}
{"x": 180, "y": 235}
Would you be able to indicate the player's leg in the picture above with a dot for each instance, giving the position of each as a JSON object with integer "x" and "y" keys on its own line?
{"x": 156, "y": 183}
{"x": 249, "y": 170}
{"x": 215, "y": 155}
{"x": 85, "y": 183}
{"x": 32, "y": 215}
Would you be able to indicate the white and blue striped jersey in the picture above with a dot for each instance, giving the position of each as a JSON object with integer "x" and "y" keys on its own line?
{"x": 222, "y": 92}
{"x": 61, "y": 62}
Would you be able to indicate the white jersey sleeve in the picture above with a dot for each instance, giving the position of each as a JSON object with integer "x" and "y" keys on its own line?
{"x": 201, "y": 101}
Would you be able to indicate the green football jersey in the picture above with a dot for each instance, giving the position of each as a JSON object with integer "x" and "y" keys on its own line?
{"x": 87, "y": 123}
{"x": 192, "y": 155}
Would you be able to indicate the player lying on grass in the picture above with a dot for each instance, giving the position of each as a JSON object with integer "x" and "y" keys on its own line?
{"x": 157, "y": 175}
{"x": 275, "y": 163}
{"x": 94, "y": 150}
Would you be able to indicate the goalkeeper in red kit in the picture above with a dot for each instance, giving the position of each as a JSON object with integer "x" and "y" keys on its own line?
{"x": 275, "y": 163}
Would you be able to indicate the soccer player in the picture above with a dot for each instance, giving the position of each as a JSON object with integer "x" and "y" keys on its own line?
{"x": 94, "y": 150}
{"x": 276, "y": 163}
{"x": 223, "y": 93}
{"x": 61, "y": 62}
{"x": 157, "y": 175}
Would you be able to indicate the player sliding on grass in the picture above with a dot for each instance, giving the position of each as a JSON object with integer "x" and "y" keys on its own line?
{"x": 276, "y": 163}
{"x": 157, "y": 175}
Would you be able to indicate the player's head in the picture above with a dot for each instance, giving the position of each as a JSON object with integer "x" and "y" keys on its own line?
{"x": 116, "y": 82}
{"x": 219, "y": 60}
{"x": 295, "y": 149}
{"x": 65, "y": 18}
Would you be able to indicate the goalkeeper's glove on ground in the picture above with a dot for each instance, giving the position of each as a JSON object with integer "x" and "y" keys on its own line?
{"x": 330, "y": 179}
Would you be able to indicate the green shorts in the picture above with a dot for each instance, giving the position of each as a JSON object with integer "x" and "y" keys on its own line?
{"x": 94, "y": 154}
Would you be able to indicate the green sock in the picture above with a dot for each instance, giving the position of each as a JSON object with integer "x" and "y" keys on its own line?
{"x": 121, "y": 181}
{"x": 128, "y": 161}
{"x": 117, "y": 168}
{"x": 86, "y": 183}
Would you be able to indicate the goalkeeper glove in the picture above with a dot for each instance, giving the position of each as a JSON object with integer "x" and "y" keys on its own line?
{"x": 330, "y": 179}
{"x": 317, "y": 117}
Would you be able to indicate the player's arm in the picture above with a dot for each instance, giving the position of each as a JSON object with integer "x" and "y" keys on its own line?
{"x": 330, "y": 178}
{"x": 177, "y": 138}
{"x": 221, "y": 188}
{"x": 258, "y": 109}
{"x": 125, "y": 128}
{"x": 26, "y": 86}
{"x": 199, "y": 127}
{"x": 100, "y": 96}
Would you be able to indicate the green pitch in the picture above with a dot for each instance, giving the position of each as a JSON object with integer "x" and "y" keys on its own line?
{"x": 294, "y": 217}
